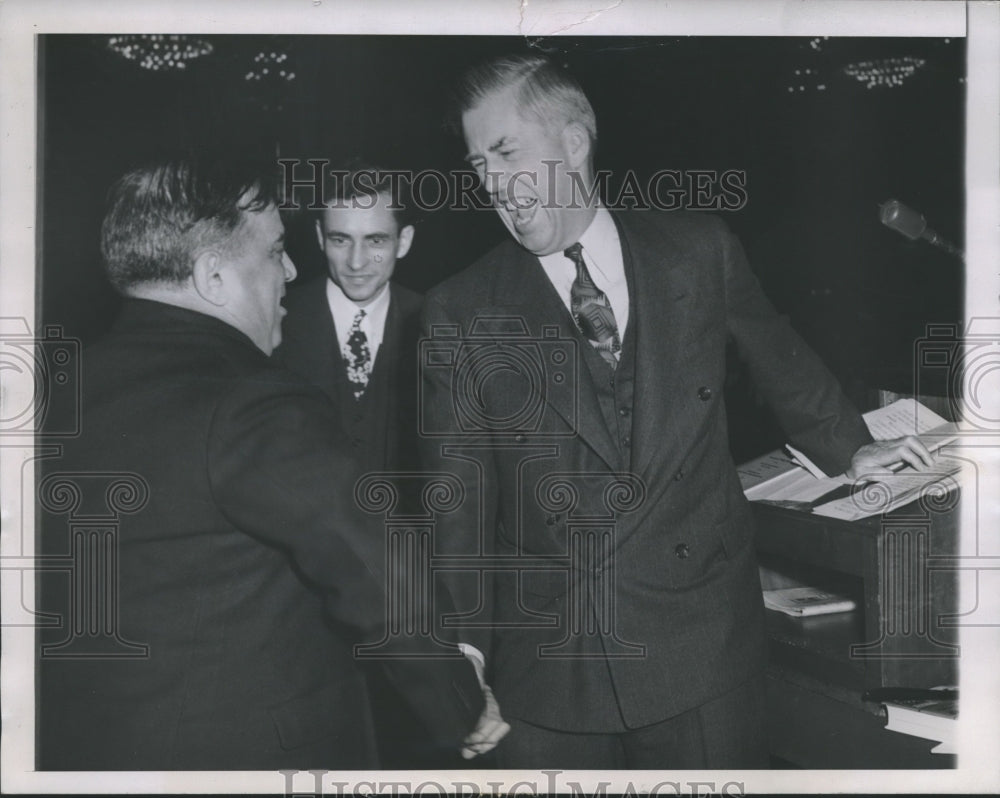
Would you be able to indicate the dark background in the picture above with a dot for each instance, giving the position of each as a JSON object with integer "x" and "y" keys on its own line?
{"x": 818, "y": 162}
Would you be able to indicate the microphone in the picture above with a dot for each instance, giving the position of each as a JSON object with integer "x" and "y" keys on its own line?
{"x": 908, "y": 222}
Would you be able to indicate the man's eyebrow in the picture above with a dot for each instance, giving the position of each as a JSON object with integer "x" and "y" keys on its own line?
{"x": 503, "y": 141}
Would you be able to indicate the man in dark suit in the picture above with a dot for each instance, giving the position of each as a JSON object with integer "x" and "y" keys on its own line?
{"x": 573, "y": 377}
{"x": 246, "y": 573}
{"x": 353, "y": 333}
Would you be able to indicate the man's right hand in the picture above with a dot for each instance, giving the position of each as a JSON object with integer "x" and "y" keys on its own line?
{"x": 489, "y": 731}
{"x": 876, "y": 458}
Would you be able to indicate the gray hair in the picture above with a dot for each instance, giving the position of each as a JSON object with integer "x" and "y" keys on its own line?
{"x": 161, "y": 216}
{"x": 544, "y": 90}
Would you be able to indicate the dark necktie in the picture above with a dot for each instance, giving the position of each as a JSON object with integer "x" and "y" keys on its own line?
{"x": 358, "y": 357}
{"x": 591, "y": 309}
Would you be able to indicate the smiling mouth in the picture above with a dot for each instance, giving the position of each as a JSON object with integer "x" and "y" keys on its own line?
{"x": 521, "y": 210}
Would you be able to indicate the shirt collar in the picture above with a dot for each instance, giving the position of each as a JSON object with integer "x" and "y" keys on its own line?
{"x": 600, "y": 241}
{"x": 601, "y": 248}
{"x": 344, "y": 310}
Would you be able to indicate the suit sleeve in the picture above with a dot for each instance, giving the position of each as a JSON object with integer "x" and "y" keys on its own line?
{"x": 469, "y": 530}
{"x": 278, "y": 471}
{"x": 806, "y": 398}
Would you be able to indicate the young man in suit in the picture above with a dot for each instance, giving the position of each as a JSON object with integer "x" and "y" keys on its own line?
{"x": 642, "y": 645}
{"x": 246, "y": 574}
{"x": 353, "y": 332}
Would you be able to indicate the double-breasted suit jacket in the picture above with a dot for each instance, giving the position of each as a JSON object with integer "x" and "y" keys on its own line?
{"x": 652, "y": 602}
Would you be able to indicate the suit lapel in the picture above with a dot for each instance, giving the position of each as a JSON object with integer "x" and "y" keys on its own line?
{"x": 525, "y": 291}
{"x": 662, "y": 301}
{"x": 385, "y": 360}
{"x": 329, "y": 363}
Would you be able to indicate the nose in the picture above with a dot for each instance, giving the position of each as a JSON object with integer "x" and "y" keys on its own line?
{"x": 503, "y": 184}
{"x": 492, "y": 179}
{"x": 358, "y": 257}
{"x": 289, "y": 267}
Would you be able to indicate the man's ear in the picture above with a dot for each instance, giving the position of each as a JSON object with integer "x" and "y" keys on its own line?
{"x": 405, "y": 241}
{"x": 208, "y": 278}
{"x": 576, "y": 141}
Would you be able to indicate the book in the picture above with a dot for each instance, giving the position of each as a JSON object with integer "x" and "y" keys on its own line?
{"x": 804, "y": 601}
{"x": 932, "y": 719}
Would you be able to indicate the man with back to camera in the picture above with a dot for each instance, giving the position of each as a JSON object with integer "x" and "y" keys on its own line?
{"x": 667, "y": 670}
{"x": 249, "y": 572}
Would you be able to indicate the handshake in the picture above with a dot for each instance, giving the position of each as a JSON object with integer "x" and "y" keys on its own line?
{"x": 491, "y": 727}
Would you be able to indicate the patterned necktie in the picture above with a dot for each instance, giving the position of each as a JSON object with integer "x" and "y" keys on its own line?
{"x": 591, "y": 309}
{"x": 358, "y": 357}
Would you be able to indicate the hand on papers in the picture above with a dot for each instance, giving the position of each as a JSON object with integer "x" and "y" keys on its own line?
{"x": 878, "y": 457}
{"x": 490, "y": 729}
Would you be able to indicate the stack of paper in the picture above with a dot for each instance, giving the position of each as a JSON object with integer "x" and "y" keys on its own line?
{"x": 932, "y": 719}
{"x": 804, "y": 601}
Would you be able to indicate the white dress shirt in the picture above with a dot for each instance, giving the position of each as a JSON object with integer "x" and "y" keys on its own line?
{"x": 344, "y": 310}
{"x": 602, "y": 252}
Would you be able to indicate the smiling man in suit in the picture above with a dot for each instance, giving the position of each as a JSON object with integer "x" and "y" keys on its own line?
{"x": 575, "y": 385}
{"x": 353, "y": 332}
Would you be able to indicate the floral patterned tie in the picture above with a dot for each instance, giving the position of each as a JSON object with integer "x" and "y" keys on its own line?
{"x": 591, "y": 309}
{"x": 358, "y": 357}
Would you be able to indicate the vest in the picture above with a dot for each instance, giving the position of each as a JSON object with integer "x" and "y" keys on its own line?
{"x": 615, "y": 388}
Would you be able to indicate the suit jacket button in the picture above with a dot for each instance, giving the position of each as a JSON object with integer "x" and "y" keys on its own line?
{"x": 679, "y": 475}
{"x": 520, "y": 438}
{"x": 704, "y": 393}
{"x": 682, "y": 551}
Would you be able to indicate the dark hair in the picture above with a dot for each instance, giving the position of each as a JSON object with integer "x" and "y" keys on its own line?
{"x": 161, "y": 216}
{"x": 544, "y": 90}
{"x": 360, "y": 183}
